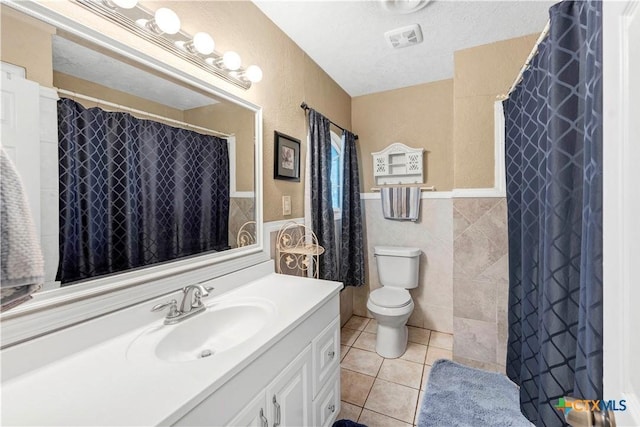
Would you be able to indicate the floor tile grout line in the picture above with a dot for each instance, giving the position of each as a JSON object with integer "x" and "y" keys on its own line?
{"x": 388, "y": 416}
{"x": 365, "y": 402}
{"x": 423, "y": 364}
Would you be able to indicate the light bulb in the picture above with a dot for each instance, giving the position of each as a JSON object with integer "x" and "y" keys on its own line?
{"x": 167, "y": 20}
{"x": 125, "y": 4}
{"x": 253, "y": 73}
{"x": 203, "y": 43}
{"x": 231, "y": 60}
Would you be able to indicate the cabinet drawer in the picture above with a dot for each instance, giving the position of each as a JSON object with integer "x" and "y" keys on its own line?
{"x": 327, "y": 405}
{"x": 326, "y": 354}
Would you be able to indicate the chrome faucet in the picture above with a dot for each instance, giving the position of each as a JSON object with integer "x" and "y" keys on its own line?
{"x": 191, "y": 304}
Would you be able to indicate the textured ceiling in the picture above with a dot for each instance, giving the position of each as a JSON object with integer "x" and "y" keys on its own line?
{"x": 84, "y": 63}
{"x": 345, "y": 38}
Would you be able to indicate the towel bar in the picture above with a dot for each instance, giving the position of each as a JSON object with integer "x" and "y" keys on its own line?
{"x": 432, "y": 188}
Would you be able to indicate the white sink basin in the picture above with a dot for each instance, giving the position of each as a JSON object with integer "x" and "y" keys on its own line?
{"x": 221, "y": 327}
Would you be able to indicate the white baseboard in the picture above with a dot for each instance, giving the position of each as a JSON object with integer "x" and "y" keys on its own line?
{"x": 478, "y": 192}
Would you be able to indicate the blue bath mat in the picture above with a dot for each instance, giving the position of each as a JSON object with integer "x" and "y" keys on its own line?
{"x": 460, "y": 396}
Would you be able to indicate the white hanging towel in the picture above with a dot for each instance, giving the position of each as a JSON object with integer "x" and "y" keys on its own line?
{"x": 21, "y": 262}
{"x": 401, "y": 203}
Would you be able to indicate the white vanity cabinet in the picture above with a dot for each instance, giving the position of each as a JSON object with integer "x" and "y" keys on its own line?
{"x": 294, "y": 383}
{"x": 293, "y": 355}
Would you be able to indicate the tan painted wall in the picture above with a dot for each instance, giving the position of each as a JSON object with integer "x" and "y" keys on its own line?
{"x": 22, "y": 37}
{"x": 419, "y": 116}
{"x": 290, "y": 77}
{"x": 481, "y": 73}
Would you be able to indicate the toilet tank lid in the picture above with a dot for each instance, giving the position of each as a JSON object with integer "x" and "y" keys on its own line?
{"x": 396, "y": 251}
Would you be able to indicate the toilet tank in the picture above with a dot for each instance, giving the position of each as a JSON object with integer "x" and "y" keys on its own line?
{"x": 398, "y": 266}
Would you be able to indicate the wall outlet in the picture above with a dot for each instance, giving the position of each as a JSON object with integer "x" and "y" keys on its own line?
{"x": 286, "y": 205}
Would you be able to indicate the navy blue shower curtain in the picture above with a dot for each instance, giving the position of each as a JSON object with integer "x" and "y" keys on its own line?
{"x": 352, "y": 245}
{"x": 554, "y": 196}
{"x": 136, "y": 192}
{"x": 322, "y": 220}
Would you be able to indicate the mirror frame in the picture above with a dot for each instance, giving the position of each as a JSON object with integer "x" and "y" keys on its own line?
{"x": 53, "y": 310}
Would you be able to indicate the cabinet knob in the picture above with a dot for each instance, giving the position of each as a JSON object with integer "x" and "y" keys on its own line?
{"x": 331, "y": 354}
{"x": 332, "y": 408}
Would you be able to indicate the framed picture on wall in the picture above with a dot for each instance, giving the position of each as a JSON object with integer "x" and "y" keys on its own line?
{"x": 286, "y": 157}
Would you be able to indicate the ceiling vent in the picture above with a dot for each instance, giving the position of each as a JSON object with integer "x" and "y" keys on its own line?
{"x": 405, "y": 36}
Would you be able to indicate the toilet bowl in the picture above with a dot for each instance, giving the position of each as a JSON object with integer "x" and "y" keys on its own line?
{"x": 391, "y": 305}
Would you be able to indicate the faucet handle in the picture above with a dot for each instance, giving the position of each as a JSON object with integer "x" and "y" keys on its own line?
{"x": 201, "y": 292}
{"x": 173, "y": 308}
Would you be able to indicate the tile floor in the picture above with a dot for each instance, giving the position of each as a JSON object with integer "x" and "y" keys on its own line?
{"x": 383, "y": 392}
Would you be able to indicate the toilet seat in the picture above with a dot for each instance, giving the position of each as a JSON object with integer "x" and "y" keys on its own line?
{"x": 390, "y": 297}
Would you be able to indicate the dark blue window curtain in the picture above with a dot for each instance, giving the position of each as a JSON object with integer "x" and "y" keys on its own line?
{"x": 352, "y": 244}
{"x": 322, "y": 220}
{"x": 136, "y": 192}
{"x": 554, "y": 196}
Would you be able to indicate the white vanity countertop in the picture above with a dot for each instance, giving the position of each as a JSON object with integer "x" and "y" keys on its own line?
{"x": 101, "y": 386}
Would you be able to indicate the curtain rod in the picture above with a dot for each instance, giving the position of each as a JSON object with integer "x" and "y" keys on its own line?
{"x": 305, "y": 107}
{"x": 543, "y": 34}
{"x": 144, "y": 113}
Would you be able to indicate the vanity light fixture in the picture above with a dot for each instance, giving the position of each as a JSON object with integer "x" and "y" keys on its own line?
{"x": 165, "y": 21}
{"x": 162, "y": 28}
{"x": 124, "y": 4}
{"x": 201, "y": 43}
{"x": 231, "y": 60}
{"x": 253, "y": 73}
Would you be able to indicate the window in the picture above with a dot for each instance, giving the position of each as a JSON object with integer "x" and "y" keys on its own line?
{"x": 336, "y": 172}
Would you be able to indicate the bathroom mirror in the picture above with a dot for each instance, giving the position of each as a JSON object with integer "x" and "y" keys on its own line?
{"x": 98, "y": 78}
{"x": 93, "y": 70}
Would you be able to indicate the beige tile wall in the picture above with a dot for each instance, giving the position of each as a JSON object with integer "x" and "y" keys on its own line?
{"x": 480, "y": 282}
{"x": 241, "y": 210}
{"x": 433, "y": 234}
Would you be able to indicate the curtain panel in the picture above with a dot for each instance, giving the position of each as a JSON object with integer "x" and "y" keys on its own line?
{"x": 553, "y": 122}
{"x": 352, "y": 242}
{"x": 136, "y": 192}
{"x": 321, "y": 208}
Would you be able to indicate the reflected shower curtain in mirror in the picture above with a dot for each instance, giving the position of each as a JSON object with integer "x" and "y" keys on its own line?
{"x": 554, "y": 196}
{"x": 321, "y": 208}
{"x": 352, "y": 245}
{"x": 136, "y": 192}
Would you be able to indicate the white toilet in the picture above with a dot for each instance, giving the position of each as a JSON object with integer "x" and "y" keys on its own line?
{"x": 391, "y": 305}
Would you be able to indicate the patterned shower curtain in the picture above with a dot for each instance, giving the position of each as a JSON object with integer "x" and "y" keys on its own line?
{"x": 321, "y": 208}
{"x": 136, "y": 192}
{"x": 554, "y": 195}
{"x": 352, "y": 244}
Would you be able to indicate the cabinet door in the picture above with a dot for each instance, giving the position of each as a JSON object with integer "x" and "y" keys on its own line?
{"x": 289, "y": 395}
{"x": 254, "y": 414}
